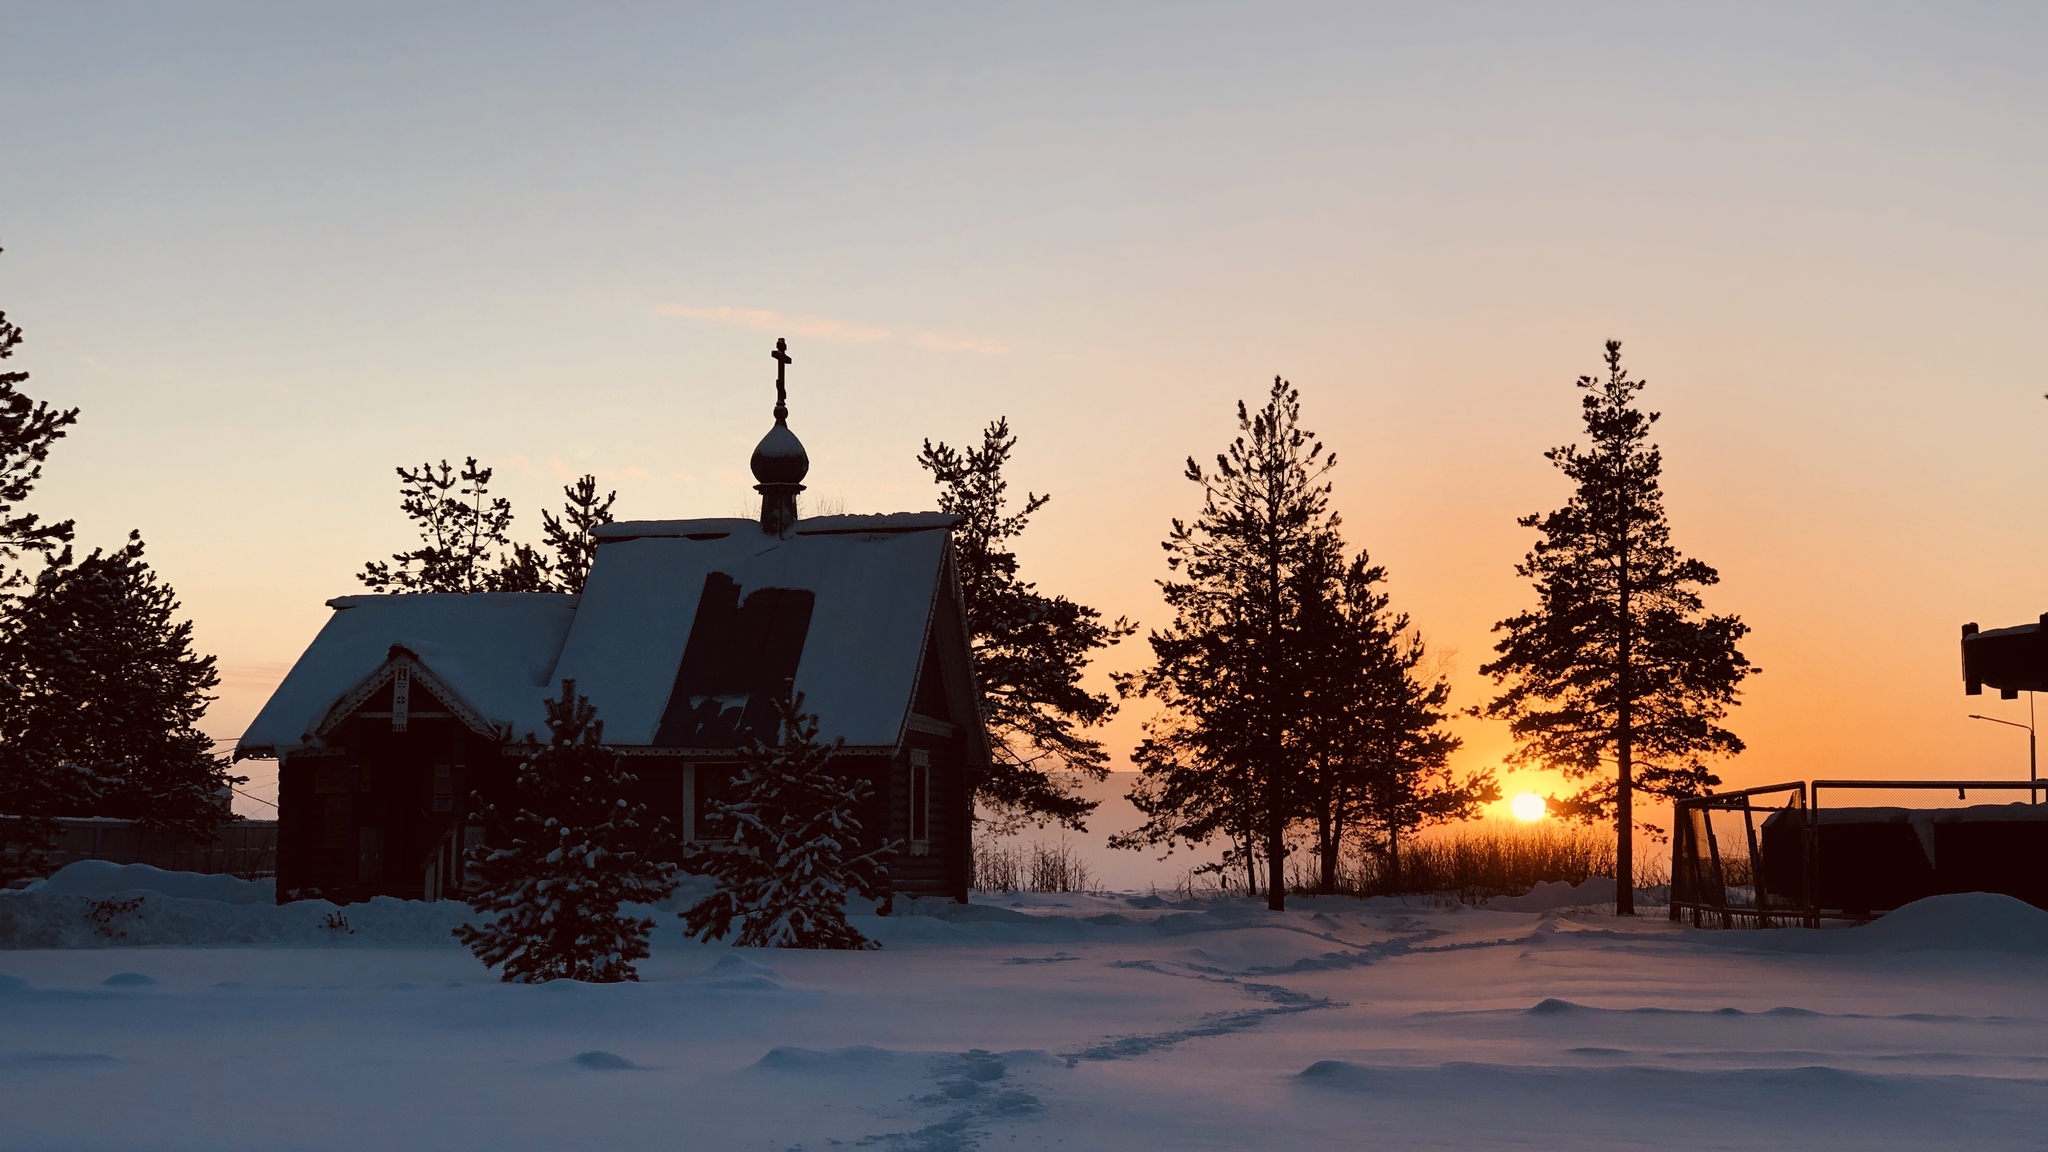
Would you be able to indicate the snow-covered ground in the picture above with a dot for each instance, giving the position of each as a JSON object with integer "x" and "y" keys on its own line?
{"x": 1081, "y": 1022}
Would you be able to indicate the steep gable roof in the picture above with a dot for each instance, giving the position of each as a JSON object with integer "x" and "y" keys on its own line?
{"x": 683, "y": 633}
{"x": 492, "y": 650}
{"x": 687, "y": 626}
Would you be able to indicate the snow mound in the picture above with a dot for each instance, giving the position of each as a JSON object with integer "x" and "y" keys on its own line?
{"x": 1966, "y": 922}
{"x": 598, "y": 1060}
{"x": 735, "y": 972}
{"x": 128, "y": 980}
{"x": 957, "y": 913}
{"x": 1550, "y": 895}
{"x": 90, "y": 909}
{"x": 1339, "y": 1074}
{"x": 1660, "y": 1089}
{"x": 46, "y": 1060}
{"x": 12, "y": 984}
{"x": 859, "y": 1058}
{"x": 100, "y": 878}
{"x": 1961, "y": 922}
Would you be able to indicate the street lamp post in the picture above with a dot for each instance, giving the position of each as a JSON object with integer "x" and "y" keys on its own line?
{"x": 2033, "y": 763}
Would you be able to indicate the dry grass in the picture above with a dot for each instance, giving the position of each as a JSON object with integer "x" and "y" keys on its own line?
{"x": 1034, "y": 867}
{"x": 1491, "y": 858}
{"x": 1469, "y": 862}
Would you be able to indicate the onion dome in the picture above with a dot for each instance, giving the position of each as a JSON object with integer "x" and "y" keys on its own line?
{"x": 780, "y": 457}
{"x": 780, "y": 462}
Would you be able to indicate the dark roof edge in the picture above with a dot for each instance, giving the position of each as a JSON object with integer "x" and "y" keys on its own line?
{"x": 736, "y": 753}
{"x": 713, "y": 528}
{"x": 358, "y": 600}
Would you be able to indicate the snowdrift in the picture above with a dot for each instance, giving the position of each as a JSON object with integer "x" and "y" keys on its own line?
{"x": 101, "y": 878}
{"x": 1965, "y": 922}
{"x": 95, "y": 904}
{"x": 1551, "y": 895}
{"x": 1962, "y": 922}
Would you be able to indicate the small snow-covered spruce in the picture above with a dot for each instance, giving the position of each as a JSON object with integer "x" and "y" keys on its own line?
{"x": 786, "y": 868}
{"x": 574, "y": 852}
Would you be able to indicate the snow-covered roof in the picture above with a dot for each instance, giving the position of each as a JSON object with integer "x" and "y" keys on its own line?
{"x": 684, "y": 632}
{"x": 711, "y": 527}
{"x": 494, "y": 649}
{"x": 855, "y": 606}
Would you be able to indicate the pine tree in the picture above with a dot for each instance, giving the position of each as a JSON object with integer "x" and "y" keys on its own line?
{"x": 792, "y": 855}
{"x": 1410, "y": 782}
{"x": 1618, "y": 669}
{"x": 28, "y": 428}
{"x": 102, "y": 698}
{"x": 1375, "y": 758}
{"x": 570, "y": 537}
{"x": 31, "y": 788}
{"x": 465, "y": 540}
{"x": 1030, "y": 649}
{"x": 575, "y": 850}
{"x": 1224, "y": 756}
{"x": 523, "y": 569}
{"x": 1342, "y": 682}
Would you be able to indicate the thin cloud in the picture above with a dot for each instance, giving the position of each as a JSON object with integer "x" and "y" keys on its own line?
{"x": 826, "y": 328}
{"x": 961, "y": 344}
{"x": 253, "y": 673}
{"x": 766, "y": 320}
{"x": 564, "y": 471}
{"x": 561, "y": 469}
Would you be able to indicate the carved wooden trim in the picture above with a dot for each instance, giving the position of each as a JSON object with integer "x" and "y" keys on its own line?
{"x": 403, "y": 659}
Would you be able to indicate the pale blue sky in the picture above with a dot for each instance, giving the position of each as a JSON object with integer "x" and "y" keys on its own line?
{"x": 274, "y": 251}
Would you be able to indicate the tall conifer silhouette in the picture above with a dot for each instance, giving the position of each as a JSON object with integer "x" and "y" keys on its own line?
{"x": 1225, "y": 757}
{"x": 1030, "y": 648}
{"x": 1618, "y": 677}
{"x": 28, "y": 429}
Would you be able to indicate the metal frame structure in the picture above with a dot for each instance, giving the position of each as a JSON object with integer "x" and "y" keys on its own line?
{"x": 1698, "y": 883}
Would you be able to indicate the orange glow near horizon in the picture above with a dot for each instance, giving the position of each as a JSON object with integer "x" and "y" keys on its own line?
{"x": 1826, "y": 274}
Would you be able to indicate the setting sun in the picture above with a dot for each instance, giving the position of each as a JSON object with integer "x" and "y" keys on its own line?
{"x": 1528, "y": 806}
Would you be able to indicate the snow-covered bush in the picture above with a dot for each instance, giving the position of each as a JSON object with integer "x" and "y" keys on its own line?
{"x": 562, "y": 865}
{"x": 787, "y": 869}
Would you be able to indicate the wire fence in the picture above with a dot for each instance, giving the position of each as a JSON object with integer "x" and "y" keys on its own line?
{"x": 245, "y": 848}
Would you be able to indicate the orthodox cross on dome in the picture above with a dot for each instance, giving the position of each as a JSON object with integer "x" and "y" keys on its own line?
{"x": 782, "y": 362}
